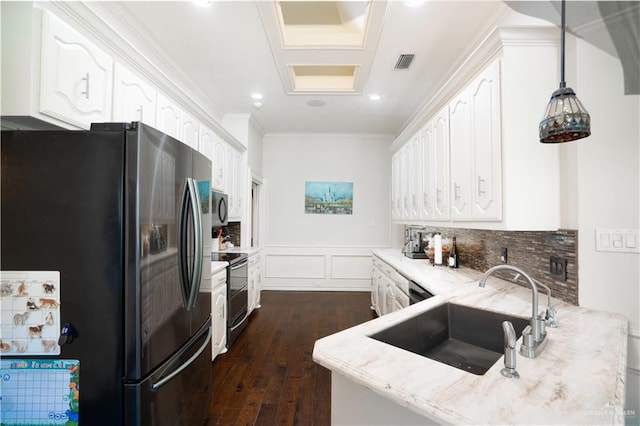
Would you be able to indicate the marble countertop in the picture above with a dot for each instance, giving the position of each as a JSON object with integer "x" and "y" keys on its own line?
{"x": 217, "y": 266}
{"x": 577, "y": 379}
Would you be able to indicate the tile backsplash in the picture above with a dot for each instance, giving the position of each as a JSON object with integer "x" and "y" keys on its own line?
{"x": 530, "y": 251}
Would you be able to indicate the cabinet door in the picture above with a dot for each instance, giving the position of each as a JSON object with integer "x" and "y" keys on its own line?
{"x": 415, "y": 177}
{"x": 133, "y": 98}
{"x": 76, "y": 76}
{"x": 168, "y": 117}
{"x": 389, "y": 297}
{"x": 485, "y": 133}
{"x": 440, "y": 165}
{"x": 428, "y": 185}
{"x": 219, "y": 165}
{"x": 396, "y": 212}
{"x": 206, "y": 140}
{"x": 190, "y": 130}
{"x": 404, "y": 190}
{"x": 219, "y": 318}
{"x": 461, "y": 155}
{"x": 235, "y": 182}
{"x": 251, "y": 286}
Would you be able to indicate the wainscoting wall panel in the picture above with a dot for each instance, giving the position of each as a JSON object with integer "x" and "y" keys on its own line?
{"x": 318, "y": 268}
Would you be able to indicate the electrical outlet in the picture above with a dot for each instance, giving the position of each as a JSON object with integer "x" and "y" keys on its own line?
{"x": 558, "y": 267}
{"x": 503, "y": 255}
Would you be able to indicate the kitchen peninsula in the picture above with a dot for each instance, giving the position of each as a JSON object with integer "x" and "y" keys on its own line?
{"x": 579, "y": 378}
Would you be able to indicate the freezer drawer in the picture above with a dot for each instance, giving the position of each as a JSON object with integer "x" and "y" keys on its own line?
{"x": 178, "y": 392}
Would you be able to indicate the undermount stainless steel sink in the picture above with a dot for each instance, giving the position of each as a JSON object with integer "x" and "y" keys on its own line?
{"x": 463, "y": 337}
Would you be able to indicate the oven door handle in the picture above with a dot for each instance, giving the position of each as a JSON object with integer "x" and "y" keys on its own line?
{"x": 240, "y": 264}
{"x": 246, "y": 315}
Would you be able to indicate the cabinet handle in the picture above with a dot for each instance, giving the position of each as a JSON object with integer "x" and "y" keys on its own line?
{"x": 140, "y": 110}
{"x": 415, "y": 201}
{"x": 438, "y": 195}
{"x": 86, "y": 85}
{"x": 456, "y": 187}
{"x": 480, "y": 185}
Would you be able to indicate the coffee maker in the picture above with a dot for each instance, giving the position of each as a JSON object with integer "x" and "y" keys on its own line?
{"x": 413, "y": 239}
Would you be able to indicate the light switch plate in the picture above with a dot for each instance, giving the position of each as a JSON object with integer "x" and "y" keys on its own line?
{"x": 617, "y": 240}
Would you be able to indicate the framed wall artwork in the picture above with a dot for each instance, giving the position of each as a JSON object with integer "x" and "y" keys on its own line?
{"x": 322, "y": 197}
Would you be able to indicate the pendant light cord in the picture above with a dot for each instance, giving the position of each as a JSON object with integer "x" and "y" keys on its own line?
{"x": 563, "y": 84}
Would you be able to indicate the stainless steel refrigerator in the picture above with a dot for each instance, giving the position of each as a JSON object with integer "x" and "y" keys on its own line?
{"x": 121, "y": 216}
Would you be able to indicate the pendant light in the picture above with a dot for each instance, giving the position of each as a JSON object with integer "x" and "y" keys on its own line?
{"x": 565, "y": 119}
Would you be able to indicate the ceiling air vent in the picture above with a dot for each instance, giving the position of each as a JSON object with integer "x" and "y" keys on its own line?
{"x": 404, "y": 61}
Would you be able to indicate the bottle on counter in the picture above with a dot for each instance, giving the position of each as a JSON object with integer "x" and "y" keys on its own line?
{"x": 453, "y": 254}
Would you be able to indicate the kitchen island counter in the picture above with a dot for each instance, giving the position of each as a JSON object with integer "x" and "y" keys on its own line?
{"x": 577, "y": 379}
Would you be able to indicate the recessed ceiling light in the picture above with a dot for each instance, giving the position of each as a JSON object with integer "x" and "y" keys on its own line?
{"x": 316, "y": 103}
{"x": 414, "y": 3}
{"x": 374, "y": 97}
{"x": 256, "y": 96}
{"x": 203, "y": 3}
{"x": 257, "y": 104}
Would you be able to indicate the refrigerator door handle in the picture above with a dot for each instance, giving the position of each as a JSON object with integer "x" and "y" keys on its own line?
{"x": 157, "y": 385}
{"x": 183, "y": 253}
{"x": 198, "y": 243}
{"x": 190, "y": 283}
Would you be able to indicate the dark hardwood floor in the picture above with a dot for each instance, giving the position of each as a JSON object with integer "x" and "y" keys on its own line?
{"x": 268, "y": 376}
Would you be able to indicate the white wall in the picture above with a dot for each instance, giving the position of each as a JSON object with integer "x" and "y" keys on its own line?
{"x": 255, "y": 148}
{"x": 608, "y": 186}
{"x": 312, "y": 251}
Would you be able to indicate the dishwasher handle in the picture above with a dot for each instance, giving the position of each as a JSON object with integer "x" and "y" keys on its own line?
{"x": 417, "y": 293}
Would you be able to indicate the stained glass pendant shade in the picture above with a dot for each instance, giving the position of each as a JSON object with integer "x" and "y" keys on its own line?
{"x": 565, "y": 118}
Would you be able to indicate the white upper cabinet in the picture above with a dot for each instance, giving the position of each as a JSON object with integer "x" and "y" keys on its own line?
{"x": 475, "y": 143}
{"x": 435, "y": 167}
{"x": 440, "y": 164}
{"x": 76, "y": 76}
{"x": 219, "y": 165}
{"x": 168, "y": 117}
{"x": 486, "y": 184}
{"x": 486, "y": 131}
{"x": 460, "y": 149}
{"x": 451, "y": 169}
{"x": 396, "y": 198}
{"x": 206, "y": 140}
{"x": 428, "y": 175}
{"x": 235, "y": 172}
{"x": 415, "y": 176}
{"x": 133, "y": 98}
{"x": 189, "y": 133}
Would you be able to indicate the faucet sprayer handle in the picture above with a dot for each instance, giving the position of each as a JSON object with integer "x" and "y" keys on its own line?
{"x": 509, "y": 369}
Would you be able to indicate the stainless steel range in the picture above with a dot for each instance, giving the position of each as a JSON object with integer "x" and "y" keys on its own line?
{"x": 237, "y": 292}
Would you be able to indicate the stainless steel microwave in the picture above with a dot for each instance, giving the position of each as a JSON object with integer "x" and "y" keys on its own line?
{"x": 219, "y": 210}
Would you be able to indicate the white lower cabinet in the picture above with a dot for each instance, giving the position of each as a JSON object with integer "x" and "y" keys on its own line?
{"x": 388, "y": 288}
{"x": 219, "y": 313}
{"x": 255, "y": 281}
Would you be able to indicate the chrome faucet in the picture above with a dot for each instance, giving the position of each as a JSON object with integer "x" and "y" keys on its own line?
{"x": 550, "y": 314}
{"x": 534, "y": 335}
